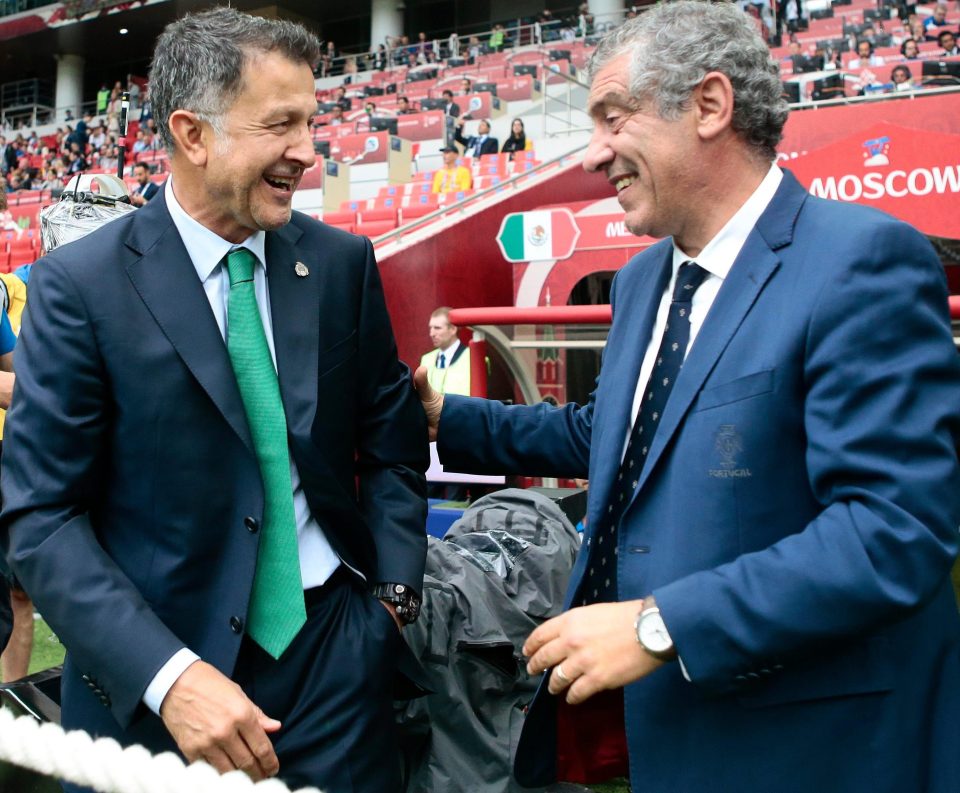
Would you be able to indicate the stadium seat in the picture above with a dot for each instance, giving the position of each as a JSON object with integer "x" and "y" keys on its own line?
{"x": 375, "y": 228}
{"x": 415, "y": 211}
{"x": 340, "y": 219}
{"x": 388, "y": 212}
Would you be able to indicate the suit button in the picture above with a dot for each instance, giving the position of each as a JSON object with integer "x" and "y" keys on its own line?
{"x": 252, "y": 524}
{"x": 236, "y": 625}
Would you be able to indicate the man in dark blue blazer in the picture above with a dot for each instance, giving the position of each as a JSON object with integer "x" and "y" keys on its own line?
{"x": 763, "y": 586}
{"x": 479, "y": 144}
{"x": 145, "y": 188}
{"x": 145, "y": 508}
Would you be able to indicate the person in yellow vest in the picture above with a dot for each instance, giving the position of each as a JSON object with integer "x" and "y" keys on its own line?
{"x": 452, "y": 178}
{"x": 448, "y": 364}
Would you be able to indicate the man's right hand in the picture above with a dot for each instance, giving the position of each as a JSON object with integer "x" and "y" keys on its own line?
{"x": 211, "y": 719}
{"x": 431, "y": 400}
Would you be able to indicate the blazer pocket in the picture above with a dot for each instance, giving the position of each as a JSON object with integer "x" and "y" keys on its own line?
{"x": 334, "y": 356}
{"x": 863, "y": 668}
{"x": 736, "y": 390}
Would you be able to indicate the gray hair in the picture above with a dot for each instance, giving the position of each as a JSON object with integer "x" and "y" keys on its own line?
{"x": 674, "y": 45}
{"x": 198, "y": 62}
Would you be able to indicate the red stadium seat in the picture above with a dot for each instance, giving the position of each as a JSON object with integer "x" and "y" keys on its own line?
{"x": 416, "y": 211}
{"x": 375, "y": 228}
{"x": 388, "y": 212}
{"x": 340, "y": 218}
{"x": 342, "y": 226}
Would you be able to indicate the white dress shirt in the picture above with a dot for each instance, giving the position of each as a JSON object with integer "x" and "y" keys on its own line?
{"x": 716, "y": 258}
{"x": 448, "y": 353}
{"x": 206, "y": 250}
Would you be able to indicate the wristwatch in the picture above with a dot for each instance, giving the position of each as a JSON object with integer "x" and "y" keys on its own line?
{"x": 403, "y": 597}
{"x": 652, "y": 634}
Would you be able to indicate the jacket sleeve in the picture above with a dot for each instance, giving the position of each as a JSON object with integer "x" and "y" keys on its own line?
{"x": 392, "y": 450}
{"x": 52, "y": 462}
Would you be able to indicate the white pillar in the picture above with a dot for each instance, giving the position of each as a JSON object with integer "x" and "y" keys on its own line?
{"x": 69, "y": 92}
{"x": 386, "y": 19}
{"x": 607, "y": 11}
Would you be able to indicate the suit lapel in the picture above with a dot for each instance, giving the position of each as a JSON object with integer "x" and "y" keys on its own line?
{"x": 294, "y": 302}
{"x": 753, "y": 268}
{"x": 167, "y": 282}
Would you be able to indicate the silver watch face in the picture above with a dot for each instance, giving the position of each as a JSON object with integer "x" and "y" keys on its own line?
{"x": 652, "y": 633}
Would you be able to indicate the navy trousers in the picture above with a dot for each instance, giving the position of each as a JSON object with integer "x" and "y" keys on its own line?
{"x": 331, "y": 690}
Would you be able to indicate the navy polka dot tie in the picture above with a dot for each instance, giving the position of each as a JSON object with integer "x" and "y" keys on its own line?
{"x": 600, "y": 581}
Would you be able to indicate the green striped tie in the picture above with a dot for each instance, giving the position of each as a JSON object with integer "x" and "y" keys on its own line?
{"x": 277, "y": 610}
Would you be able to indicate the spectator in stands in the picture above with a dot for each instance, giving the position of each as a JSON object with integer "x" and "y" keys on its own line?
{"x": 918, "y": 30}
{"x": 403, "y": 107}
{"x": 901, "y": 77}
{"x": 865, "y": 56}
{"x": 340, "y": 97}
{"x": 935, "y": 21}
{"x": 517, "y": 140}
{"x": 336, "y": 116}
{"x": 16, "y": 610}
{"x": 450, "y": 107}
{"x": 8, "y": 155}
{"x": 497, "y": 36}
{"x": 465, "y": 86}
{"x": 947, "y": 40}
{"x": 109, "y": 158}
{"x": 453, "y": 46}
{"x": 369, "y": 108}
{"x": 98, "y": 136}
{"x": 379, "y": 58}
{"x": 423, "y": 49}
{"x": 448, "y": 363}
{"x": 451, "y": 178}
{"x": 140, "y": 142}
{"x": 146, "y": 189}
{"x": 103, "y": 99}
{"x": 479, "y": 144}
{"x": 909, "y": 49}
{"x": 76, "y": 162}
{"x": 474, "y": 48}
{"x": 7, "y": 221}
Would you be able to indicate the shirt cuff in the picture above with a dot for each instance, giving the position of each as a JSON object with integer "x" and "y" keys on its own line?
{"x": 168, "y": 675}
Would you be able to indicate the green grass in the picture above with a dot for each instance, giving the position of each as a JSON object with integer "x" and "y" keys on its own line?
{"x": 616, "y": 786}
{"x": 47, "y": 650}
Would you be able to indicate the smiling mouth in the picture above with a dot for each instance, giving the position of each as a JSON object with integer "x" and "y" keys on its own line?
{"x": 285, "y": 183}
{"x": 621, "y": 183}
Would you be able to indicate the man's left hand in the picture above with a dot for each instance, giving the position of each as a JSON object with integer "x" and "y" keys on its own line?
{"x": 596, "y": 648}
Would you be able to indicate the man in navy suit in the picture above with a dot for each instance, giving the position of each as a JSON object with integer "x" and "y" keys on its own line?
{"x": 145, "y": 188}
{"x": 213, "y": 474}
{"x": 763, "y": 591}
{"x": 479, "y": 144}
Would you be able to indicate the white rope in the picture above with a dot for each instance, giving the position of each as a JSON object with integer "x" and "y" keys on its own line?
{"x": 107, "y": 767}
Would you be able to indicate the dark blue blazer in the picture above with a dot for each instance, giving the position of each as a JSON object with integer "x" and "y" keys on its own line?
{"x": 796, "y": 519}
{"x": 128, "y": 464}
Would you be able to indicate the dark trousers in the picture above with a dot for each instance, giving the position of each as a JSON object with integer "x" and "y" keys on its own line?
{"x": 332, "y": 692}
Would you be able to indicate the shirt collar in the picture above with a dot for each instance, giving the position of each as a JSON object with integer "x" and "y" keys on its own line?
{"x": 720, "y": 253}
{"x": 205, "y": 248}
{"x": 451, "y": 349}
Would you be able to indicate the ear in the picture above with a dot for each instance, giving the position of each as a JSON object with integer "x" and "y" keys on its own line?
{"x": 713, "y": 105}
{"x": 191, "y": 136}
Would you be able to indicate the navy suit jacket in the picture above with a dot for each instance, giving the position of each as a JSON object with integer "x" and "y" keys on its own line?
{"x": 489, "y": 146}
{"x": 129, "y": 468}
{"x": 796, "y": 519}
